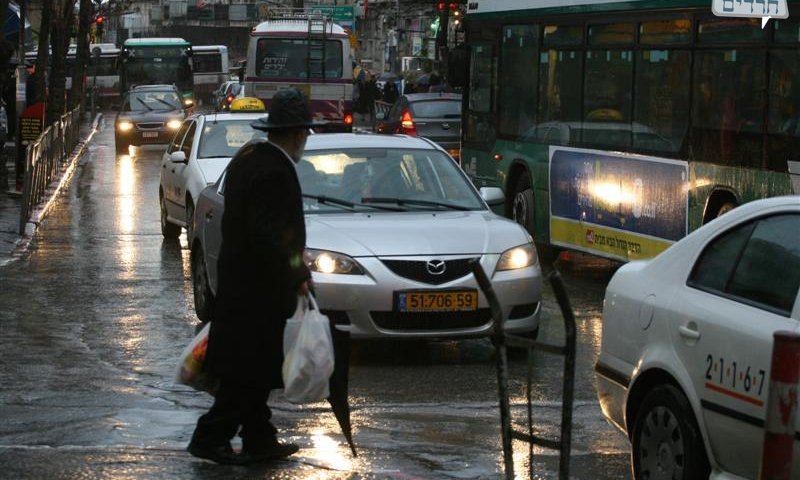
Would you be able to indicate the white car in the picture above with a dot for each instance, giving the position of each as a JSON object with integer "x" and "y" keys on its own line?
{"x": 393, "y": 225}
{"x": 684, "y": 367}
{"x": 196, "y": 157}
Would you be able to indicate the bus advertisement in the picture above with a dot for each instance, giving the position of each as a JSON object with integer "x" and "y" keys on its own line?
{"x": 307, "y": 51}
{"x": 210, "y": 66}
{"x": 150, "y": 61}
{"x": 617, "y": 127}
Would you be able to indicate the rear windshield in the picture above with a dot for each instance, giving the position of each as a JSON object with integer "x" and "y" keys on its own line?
{"x": 289, "y": 57}
{"x": 437, "y": 109}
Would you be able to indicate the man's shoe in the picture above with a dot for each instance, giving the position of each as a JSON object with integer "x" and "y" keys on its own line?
{"x": 269, "y": 451}
{"x": 222, "y": 454}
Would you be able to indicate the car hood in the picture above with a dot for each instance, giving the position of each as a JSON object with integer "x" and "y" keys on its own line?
{"x": 154, "y": 116}
{"x": 413, "y": 233}
{"x": 212, "y": 168}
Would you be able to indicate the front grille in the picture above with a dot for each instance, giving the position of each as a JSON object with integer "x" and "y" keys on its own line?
{"x": 431, "y": 320}
{"x": 150, "y": 125}
{"x": 417, "y": 270}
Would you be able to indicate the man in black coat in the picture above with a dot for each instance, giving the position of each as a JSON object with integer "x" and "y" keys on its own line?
{"x": 261, "y": 271}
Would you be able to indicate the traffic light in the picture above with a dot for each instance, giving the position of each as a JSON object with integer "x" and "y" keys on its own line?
{"x": 99, "y": 22}
{"x": 441, "y": 6}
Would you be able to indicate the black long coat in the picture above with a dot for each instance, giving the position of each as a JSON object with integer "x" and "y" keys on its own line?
{"x": 260, "y": 266}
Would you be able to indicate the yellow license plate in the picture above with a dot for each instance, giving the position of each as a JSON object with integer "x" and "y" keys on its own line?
{"x": 446, "y": 301}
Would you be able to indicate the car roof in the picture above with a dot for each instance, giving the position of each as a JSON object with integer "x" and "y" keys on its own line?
{"x": 154, "y": 87}
{"x": 416, "y": 97}
{"x": 222, "y": 117}
{"x": 325, "y": 141}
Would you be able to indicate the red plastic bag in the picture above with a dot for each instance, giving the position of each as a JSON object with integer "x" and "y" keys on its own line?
{"x": 190, "y": 367}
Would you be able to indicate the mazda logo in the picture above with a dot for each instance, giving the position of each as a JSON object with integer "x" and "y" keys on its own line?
{"x": 435, "y": 267}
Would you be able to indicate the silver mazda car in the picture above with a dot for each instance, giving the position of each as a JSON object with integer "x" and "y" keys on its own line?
{"x": 392, "y": 226}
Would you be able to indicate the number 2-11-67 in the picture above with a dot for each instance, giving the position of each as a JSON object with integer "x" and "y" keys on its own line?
{"x": 734, "y": 375}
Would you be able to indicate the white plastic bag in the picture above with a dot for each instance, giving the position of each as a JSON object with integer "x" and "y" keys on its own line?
{"x": 308, "y": 354}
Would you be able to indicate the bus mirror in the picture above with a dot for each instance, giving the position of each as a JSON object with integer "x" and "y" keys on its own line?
{"x": 457, "y": 66}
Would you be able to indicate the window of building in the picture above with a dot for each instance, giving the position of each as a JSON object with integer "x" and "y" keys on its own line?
{"x": 787, "y": 31}
{"x": 661, "y": 103}
{"x": 517, "y": 99}
{"x": 562, "y": 35}
{"x": 731, "y": 30}
{"x": 783, "y": 127}
{"x": 665, "y": 32}
{"x": 728, "y": 107}
{"x": 612, "y": 34}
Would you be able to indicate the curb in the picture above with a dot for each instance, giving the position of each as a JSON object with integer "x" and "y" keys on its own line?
{"x": 40, "y": 212}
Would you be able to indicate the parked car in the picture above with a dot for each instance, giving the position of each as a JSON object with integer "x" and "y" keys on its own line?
{"x": 196, "y": 157}
{"x": 392, "y": 226}
{"x": 149, "y": 114}
{"x": 436, "y": 116}
{"x": 684, "y": 366}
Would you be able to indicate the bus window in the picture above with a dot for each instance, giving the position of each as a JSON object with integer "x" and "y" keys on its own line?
{"x": 608, "y": 83}
{"x": 517, "y": 101}
{"x": 288, "y": 57}
{"x": 727, "y": 30}
{"x": 482, "y": 65}
{"x": 611, "y": 34}
{"x": 728, "y": 107}
{"x": 205, "y": 63}
{"x": 784, "y": 109}
{"x": 560, "y": 74}
{"x": 661, "y": 105}
{"x": 787, "y": 31}
{"x": 665, "y": 32}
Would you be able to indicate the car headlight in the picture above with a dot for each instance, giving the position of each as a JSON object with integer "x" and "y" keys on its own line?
{"x": 517, "y": 257}
{"x": 174, "y": 124}
{"x": 188, "y": 102}
{"x": 331, "y": 262}
{"x": 124, "y": 126}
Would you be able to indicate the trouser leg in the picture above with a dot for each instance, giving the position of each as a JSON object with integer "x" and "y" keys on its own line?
{"x": 234, "y": 405}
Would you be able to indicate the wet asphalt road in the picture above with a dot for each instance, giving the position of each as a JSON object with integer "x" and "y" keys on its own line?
{"x": 93, "y": 320}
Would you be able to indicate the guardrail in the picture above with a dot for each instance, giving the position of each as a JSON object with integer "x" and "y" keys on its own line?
{"x": 44, "y": 159}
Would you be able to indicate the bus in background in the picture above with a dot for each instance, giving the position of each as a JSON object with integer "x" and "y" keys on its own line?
{"x": 151, "y": 61}
{"x": 104, "y": 65}
{"x": 617, "y": 127}
{"x": 210, "y": 65}
{"x": 305, "y": 50}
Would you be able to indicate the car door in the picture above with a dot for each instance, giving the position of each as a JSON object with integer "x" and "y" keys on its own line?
{"x": 742, "y": 288}
{"x": 175, "y": 173}
{"x": 212, "y": 225}
{"x": 167, "y": 176}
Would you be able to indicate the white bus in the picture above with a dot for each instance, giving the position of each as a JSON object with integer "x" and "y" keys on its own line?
{"x": 102, "y": 66}
{"x": 306, "y": 51}
{"x": 210, "y": 65}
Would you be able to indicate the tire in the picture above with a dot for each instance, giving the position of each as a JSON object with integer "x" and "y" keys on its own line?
{"x": 168, "y": 230}
{"x": 121, "y": 146}
{"x": 522, "y": 212}
{"x": 189, "y": 221}
{"x": 203, "y": 297}
{"x": 666, "y": 442}
{"x": 725, "y": 208}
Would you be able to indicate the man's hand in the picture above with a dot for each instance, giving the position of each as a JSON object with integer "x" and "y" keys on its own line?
{"x": 307, "y": 287}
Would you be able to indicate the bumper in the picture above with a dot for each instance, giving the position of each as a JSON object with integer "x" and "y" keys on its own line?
{"x": 364, "y": 304}
{"x": 612, "y": 395}
{"x": 148, "y": 137}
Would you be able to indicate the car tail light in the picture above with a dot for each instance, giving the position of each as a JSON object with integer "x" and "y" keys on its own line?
{"x": 348, "y": 119}
{"x": 229, "y": 98}
{"x": 407, "y": 124}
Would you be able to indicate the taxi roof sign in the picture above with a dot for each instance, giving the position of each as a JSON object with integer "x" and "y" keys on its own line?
{"x": 248, "y": 104}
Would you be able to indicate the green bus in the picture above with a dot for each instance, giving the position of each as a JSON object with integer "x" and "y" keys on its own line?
{"x": 617, "y": 127}
{"x": 148, "y": 61}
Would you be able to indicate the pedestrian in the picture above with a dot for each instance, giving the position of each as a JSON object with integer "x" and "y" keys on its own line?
{"x": 260, "y": 274}
{"x": 390, "y": 93}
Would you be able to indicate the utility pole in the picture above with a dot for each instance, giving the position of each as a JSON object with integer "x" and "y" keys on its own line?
{"x": 22, "y": 82}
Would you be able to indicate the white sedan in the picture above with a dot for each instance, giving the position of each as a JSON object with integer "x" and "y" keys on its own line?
{"x": 684, "y": 367}
{"x": 195, "y": 158}
{"x": 393, "y": 225}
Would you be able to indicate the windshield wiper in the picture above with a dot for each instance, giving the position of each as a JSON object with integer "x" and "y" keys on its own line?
{"x": 347, "y": 204}
{"x": 144, "y": 104}
{"x": 411, "y": 201}
{"x": 171, "y": 106}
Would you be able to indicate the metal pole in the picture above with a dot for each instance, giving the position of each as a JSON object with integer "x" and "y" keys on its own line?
{"x": 21, "y": 100}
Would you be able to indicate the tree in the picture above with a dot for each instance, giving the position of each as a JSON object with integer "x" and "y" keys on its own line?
{"x": 39, "y": 77}
{"x": 82, "y": 55}
{"x": 64, "y": 14}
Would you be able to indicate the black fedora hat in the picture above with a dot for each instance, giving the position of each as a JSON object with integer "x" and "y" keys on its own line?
{"x": 288, "y": 109}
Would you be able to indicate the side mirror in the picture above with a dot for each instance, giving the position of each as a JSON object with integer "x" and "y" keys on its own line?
{"x": 178, "y": 156}
{"x": 493, "y": 196}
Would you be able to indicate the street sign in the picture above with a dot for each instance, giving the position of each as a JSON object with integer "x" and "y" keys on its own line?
{"x": 344, "y": 16}
{"x": 763, "y": 9}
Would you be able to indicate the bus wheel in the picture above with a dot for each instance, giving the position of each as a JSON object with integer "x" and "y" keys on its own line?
{"x": 725, "y": 208}
{"x": 522, "y": 203}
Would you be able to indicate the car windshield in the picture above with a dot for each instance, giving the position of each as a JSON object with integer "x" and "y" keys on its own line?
{"x": 436, "y": 109}
{"x": 222, "y": 138}
{"x": 371, "y": 178}
{"x": 153, "y": 100}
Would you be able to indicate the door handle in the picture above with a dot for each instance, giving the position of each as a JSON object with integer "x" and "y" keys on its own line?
{"x": 689, "y": 332}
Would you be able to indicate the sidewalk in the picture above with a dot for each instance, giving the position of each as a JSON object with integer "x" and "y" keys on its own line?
{"x": 11, "y": 242}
